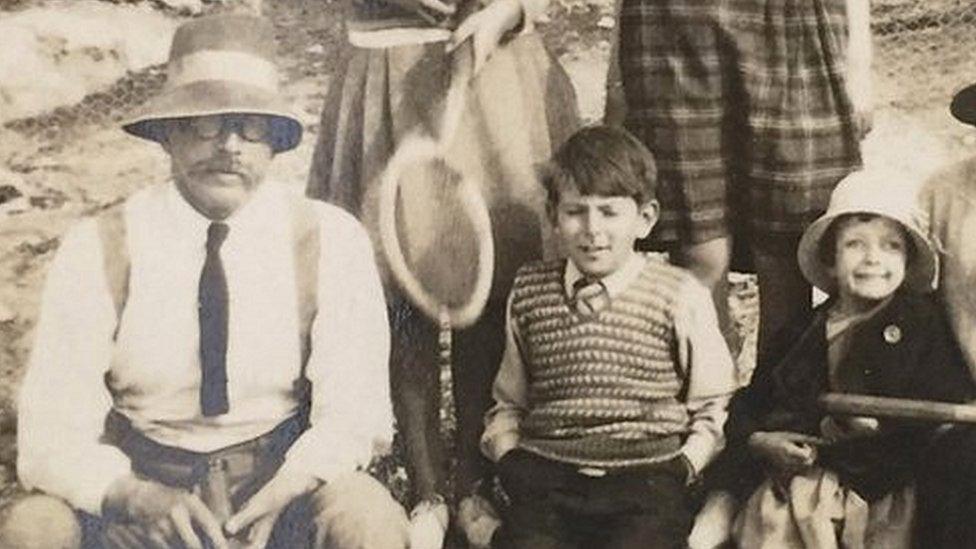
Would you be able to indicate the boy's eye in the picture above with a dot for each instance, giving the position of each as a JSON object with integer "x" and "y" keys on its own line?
{"x": 854, "y": 243}
{"x": 609, "y": 211}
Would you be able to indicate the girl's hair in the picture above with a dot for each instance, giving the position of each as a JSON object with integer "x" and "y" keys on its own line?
{"x": 602, "y": 160}
{"x": 827, "y": 248}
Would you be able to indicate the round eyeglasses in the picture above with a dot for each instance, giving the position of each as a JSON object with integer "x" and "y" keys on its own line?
{"x": 250, "y": 127}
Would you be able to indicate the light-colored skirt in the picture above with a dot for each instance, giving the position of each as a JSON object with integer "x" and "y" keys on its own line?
{"x": 817, "y": 512}
{"x": 520, "y": 107}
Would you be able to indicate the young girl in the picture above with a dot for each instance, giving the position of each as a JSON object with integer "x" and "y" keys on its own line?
{"x": 391, "y": 84}
{"x": 754, "y": 109}
{"x": 880, "y": 333}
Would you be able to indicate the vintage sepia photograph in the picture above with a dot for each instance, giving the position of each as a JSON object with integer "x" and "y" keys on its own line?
{"x": 472, "y": 274}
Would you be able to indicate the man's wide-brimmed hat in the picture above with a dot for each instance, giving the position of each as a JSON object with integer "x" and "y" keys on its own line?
{"x": 963, "y": 105}
{"x": 880, "y": 192}
{"x": 221, "y": 64}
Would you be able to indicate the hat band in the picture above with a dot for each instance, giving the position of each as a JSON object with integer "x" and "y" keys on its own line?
{"x": 230, "y": 66}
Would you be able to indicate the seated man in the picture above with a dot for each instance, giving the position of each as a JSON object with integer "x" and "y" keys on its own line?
{"x": 202, "y": 374}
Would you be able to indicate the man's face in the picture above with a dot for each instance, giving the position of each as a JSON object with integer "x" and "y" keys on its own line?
{"x": 869, "y": 263}
{"x": 598, "y": 232}
{"x": 219, "y": 160}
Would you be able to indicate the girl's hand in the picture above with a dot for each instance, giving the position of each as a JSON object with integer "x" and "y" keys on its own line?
{"x": 787, "y": 452}
{"x": 485, "y": 28}
{"x": 836, "y": 429}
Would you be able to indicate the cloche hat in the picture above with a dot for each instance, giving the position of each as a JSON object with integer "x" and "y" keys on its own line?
{"x": 879, "y": 192}
{"x": 221, "y": 64}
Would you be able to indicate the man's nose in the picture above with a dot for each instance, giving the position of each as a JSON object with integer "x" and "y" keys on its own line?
{"x": 230, "y": 139}
{"x": 592, "y": 222}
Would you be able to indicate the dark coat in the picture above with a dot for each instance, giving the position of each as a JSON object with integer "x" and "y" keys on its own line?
{"x": 904, "y": 350}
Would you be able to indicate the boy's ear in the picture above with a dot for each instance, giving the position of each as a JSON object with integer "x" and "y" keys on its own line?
{"x": 648, "y": 212}
{"x": 551, "y": 212}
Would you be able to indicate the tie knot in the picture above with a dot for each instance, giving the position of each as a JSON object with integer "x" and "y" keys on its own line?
{"x": 585, "y": 288}
{"x": 216, "y": 234}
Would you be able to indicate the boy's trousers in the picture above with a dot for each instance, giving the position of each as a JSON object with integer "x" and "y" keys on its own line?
{"x": 558, "y": 505}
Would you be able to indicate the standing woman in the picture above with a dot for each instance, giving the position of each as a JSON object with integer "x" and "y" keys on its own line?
{"x": 754, "y": 110}
{"x": 520, "y": 106}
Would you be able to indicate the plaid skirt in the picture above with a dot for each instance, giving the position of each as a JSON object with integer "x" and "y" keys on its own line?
{"x": 744, "y": 106}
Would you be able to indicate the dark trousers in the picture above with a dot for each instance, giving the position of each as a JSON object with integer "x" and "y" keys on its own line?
{"x": 553, "y": 505}
{"x": 946, "y": 492}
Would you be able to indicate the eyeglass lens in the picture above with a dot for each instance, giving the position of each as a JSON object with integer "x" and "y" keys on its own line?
{"x": 250, "y": 127}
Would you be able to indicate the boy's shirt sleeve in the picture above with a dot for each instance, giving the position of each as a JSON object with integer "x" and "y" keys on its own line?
{"x": 704, "y": 358}
{"x": 510, "y": 392}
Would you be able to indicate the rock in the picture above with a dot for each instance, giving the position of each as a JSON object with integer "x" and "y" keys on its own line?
{"x": 6, "y": 315}
{"x": 192, "y": 7}
{"x": 317, "y": 49}
{"x": 543, "y": 19}
{"x": 606, "y": 22}
{"x": 57, "y": 54}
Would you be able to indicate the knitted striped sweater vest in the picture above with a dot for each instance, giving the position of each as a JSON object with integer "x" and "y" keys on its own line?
{"x": 603, "y": 390}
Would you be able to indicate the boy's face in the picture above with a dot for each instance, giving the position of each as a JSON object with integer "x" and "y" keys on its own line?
{"x": 869, "y": 262}
{"x": 598, "y": 232}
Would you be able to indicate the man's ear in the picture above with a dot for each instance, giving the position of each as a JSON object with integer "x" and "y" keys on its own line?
{"x": 649, "y": 213}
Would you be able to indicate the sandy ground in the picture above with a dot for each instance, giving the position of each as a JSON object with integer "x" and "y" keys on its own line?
{"x": 71, "y": 168}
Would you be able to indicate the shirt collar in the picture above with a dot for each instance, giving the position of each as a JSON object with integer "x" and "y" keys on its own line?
{"x": 615, "y": 282}
{"x": 193, "y": 224}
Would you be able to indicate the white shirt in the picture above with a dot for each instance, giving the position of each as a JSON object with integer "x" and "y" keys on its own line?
{"x": 154, "y": 367}
{"x": 701, "y": 351}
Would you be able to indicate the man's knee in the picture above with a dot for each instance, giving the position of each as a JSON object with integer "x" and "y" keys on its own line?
{"x": 38, "y": 521}
{"x": 357, "y": 512}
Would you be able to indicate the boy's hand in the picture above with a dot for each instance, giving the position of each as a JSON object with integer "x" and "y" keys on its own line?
{"x": 787, "y": 452}
{"x": 836, "y": 429}
{"x": 428, "y": 525}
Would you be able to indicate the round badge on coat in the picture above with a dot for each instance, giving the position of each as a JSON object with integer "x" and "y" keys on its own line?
{"x": 892, "y": 334}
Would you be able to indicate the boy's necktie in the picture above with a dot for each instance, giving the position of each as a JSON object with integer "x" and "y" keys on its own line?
{"x": 212, "y": 308}
{"x": 590, "y": 296}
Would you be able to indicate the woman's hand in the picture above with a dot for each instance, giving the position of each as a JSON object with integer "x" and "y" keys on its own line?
{"x": 485, "y": 28}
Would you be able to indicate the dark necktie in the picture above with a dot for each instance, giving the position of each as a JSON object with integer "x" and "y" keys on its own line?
{"x": 590, "y": 296}
{"x": 212, "y": 308}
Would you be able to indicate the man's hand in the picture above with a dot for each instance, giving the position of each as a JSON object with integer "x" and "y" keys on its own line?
{"x": 787, "y": 452}
{"x": 254, "y": 522}
{"x": 485, "y": 28}
{"x": 164, "y": 512}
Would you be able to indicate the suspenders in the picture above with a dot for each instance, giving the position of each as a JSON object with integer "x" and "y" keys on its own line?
{"x": 306, "y": 253}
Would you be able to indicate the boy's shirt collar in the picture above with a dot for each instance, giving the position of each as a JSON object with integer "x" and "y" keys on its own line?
{"x": 615, "y": 282}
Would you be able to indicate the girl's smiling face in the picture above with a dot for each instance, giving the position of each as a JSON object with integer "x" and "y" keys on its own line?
{"x": 598, "y": 232}
{"x": 869, "y": 261}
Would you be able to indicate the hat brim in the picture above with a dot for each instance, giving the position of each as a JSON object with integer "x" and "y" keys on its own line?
{"x": 216, "y": 97}
{"x": 919, "y": 275}
{"x": 963, "y": 105}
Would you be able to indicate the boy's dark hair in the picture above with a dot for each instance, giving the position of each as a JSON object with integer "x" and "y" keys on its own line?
{"x": 827, "y": 248}
{"x": 605, "y": 161}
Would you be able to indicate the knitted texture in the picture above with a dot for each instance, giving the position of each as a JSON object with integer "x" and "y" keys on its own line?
{"x": 603, "y": 390}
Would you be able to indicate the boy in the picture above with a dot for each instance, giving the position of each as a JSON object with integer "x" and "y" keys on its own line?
{"x": 612, "y": 391}
{"x": 817, "y": 480}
